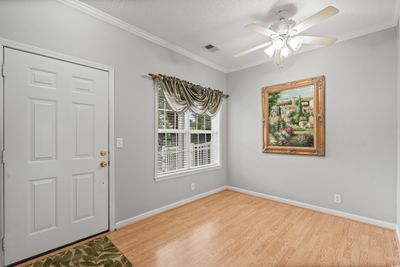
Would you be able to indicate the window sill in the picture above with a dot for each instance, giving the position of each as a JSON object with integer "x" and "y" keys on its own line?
{"x": 189, "y": 172}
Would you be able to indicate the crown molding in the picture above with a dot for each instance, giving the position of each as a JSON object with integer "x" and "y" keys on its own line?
{"x": 94, "y": 12}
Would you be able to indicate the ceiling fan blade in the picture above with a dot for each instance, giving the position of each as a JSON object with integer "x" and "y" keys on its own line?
{"x": 317, "y": 40}
{"x": 316, "y": 18}
{"x": 252, "y": 49}
{"x": 261, "y": 29}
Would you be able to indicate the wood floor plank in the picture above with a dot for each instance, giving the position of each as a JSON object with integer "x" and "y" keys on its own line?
{"x": 234, "y": 229}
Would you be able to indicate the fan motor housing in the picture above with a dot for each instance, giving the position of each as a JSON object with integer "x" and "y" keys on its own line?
{"x": 282, "y": 23}
{"x": 283, "y": 27}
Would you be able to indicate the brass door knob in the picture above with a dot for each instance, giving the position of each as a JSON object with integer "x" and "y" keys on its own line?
{"x": 103, "y": 164}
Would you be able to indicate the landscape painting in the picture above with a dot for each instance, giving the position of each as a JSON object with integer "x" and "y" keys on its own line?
{"x": 293, "y": 117}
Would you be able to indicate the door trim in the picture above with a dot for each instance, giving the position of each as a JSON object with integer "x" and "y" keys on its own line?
{"x": 5, "y": 43}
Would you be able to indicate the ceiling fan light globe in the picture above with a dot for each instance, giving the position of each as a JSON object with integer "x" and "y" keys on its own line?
{"x": 295, "y": 43}
{"x": 279, "y": 42}
{"x": 285, "y": 52}
{"x": 270, "y": 51}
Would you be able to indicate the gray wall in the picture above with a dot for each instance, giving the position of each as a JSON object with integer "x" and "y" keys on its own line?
{"x": 361, "y": 129}
{"x": 52, "y": 25}
{"x": 398, "y": 124}
{"x": 360, "y": 113}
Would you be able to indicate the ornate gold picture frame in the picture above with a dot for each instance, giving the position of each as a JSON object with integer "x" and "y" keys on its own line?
{"x": 294, "y": 117}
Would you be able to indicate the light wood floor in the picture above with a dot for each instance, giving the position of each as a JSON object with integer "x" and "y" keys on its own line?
{"x": 234, "y": 229}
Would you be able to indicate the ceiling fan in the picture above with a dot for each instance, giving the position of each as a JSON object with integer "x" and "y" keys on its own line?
{"x": 284, "y": 34}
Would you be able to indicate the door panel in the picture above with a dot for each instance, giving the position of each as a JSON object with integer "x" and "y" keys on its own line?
{"x": 43, "y": 78}
{"x": 43, "y": 121}
{"x": 43, "y": 209}
{"x": 83, "y": 196}
{"x": 56, "y": 124}
{"x": 84, "y": 130}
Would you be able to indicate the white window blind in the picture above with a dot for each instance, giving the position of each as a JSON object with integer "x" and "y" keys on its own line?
{"x": 184, "y": 142}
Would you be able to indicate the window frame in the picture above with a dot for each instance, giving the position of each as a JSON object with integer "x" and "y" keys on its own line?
{"x": 215, "y": 130}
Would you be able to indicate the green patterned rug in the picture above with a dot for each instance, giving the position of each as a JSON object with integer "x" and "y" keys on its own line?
{"x": 97, "y": 252}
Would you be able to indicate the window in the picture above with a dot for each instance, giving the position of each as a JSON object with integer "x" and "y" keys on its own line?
{"x": 185, "y": 142}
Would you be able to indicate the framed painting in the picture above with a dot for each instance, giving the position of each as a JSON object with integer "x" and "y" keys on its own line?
{"x": 294, "y": 117}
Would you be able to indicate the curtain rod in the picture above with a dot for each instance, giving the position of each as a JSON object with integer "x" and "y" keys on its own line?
{"x": 156, "y": 77}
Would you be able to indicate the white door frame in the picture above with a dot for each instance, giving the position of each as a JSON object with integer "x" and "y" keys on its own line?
{"x": 4, "y": 43}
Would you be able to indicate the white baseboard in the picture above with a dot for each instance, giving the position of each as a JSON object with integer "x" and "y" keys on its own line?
{"x": 266, "y": 196}
{"x": 168, "y": 207}
{"x": 318, "y": 208}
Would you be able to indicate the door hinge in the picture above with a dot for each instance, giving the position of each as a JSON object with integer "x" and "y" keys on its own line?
{"x": 3, "y": 244}
{"x": 3, "y": 157}
{"x": 3, "y": 70}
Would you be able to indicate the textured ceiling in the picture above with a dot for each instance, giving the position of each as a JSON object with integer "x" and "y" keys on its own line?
{"x": 193, "y": 24}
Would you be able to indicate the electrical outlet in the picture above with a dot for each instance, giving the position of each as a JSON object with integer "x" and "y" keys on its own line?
{"x": 119, "y": 142}
{"x": 193, "y": 186}
{"x": 337, "y": 198}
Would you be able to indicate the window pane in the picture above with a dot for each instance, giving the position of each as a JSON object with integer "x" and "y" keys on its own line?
{"x": 171, "y": 152}
{"x": 192, "y": 120}
{"x": 169, "y": 120}
{"x": 208, "y": 138}
{"x": 161, "y": 119}
{"x": 171, "y": 139}
{"x": 200, "y": 122}
{"x": 200, "y": 150}
{"x": 161, "y": 141}
{"x": 162, "y": 102}
{"x": 194, "y": 138}
{"x": 207, "y": 122}
{"x": 179, "y": 121}
{"x": 202, "y": 138}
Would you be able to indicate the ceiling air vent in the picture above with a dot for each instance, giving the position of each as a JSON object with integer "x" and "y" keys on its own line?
{"x": 211, "y": 48}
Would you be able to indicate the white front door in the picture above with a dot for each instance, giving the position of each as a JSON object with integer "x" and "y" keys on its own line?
{"x": 56, "y": 126}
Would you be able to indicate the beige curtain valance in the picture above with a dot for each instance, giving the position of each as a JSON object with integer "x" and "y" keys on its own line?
{"x": 182, "y": 95}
